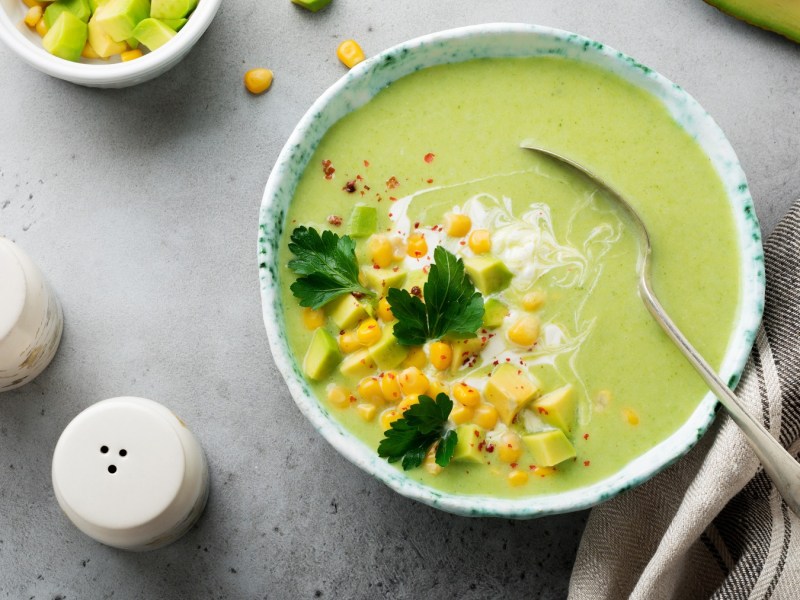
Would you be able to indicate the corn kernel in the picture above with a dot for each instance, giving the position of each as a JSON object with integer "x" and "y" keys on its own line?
{"x": 349, "y": 342}
{"x": 517, "y": 478}
{"x": 441, "y": 354}
{"x": 313, "y": 318}
{"x": 388, "y": 417}
{"x": 631, "y": 416}
{"x": 510, "y": 447}
{"x": 338, "y": 396}
{"x": 437, "y": 387}
{"x": 417, "y": 246}
{"x": 466, "y": 394}
{"x": 457, "y": 225}
{"x": 390, "y": 387}
{"x": 461, "y": 414}
{"x": 413, "y": 381}
{"x": 368, "y": 332}
{"x": 385, "y": 310}
{"x": 33, "y": 16}
{"x": 258, "y": 81}
{"x": 533, "y": 300}
{"x": 366, "y": 411}
{"x": 485, "y": 415}
{"x": 408, "y": 402}
{"x": 480, "y": 241}
{"x": 129, "y": 55}
{"x": 525, "y": 331}
{"x": 416, "y": 358}
{"x": 370, "y": 390}
{"x": 88, "y": 52}
{"x": 41, "y": 28}
{"x": 350, "y": 53}
{"x": 544, "y": 471}
{"x": 379, "y": 249}
{"x": 430, "y": 462}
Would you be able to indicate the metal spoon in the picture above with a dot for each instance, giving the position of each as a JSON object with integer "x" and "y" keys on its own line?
{"x": 778, "y": 463}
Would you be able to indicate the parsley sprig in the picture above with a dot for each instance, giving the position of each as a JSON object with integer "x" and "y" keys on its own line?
{"x": 327, "y": 265}
{"x": 421, "y": 426}
{"x": 452, "y": 306}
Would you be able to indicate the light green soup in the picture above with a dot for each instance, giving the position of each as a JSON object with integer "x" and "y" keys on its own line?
{"x": 447, "y": 139}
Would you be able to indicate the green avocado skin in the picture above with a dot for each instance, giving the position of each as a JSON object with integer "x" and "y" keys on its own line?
{"x": 780, "y": 16}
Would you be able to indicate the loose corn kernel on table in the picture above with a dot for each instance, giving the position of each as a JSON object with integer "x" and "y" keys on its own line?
{"x": 140, "y": 205}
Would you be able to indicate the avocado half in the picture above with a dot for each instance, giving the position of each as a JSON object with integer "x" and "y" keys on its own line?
{"x": 780, "y": 16}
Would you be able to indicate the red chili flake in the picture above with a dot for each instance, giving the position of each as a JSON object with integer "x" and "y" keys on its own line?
{"x": 429, "y": 180}
{"x": 490, "y": 448}
{"x": 496, "y": 362}
{"x": 350, "y": 186}
{"x": 366, "y": 163}
{"x": 415, "y": 291}
{"x": 327, "y": 169}
{"x": 395, "y": 269}
{"x": 477, "y": 433}
{"x": 335, "y": 220}
{"x": 508, "y": 359}
{"x": 513, "y": 465}
{"x": 463, "y": 243}
{"x": 376, "y": 266}
{"x": 358, "y": 295}
{"x": 586, "y": 436}
{"x": 480, "y": 446}
{"x": 542, "y": 411}
{"x": 392, "y": 198}
{"x": 586, "y": 463}
{"x": 359, "y": 177}
{"x": 341, "y": 332}
{"x": 366, "y": 187}
{"x": 532, "y": 467}
{"x": 352, "y": 399}
{"x": 392, "y": 182}
{"x": 429, "y": 157}
{"x": 416, "y": 225}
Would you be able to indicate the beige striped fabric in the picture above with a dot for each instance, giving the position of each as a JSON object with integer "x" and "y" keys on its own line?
{"x": 712, "y": 525}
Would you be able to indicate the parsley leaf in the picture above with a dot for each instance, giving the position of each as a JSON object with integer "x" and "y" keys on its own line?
{"x": 421, "y": 426}
{"x": 327, "y": 265}
{"x": 452, "y": 306}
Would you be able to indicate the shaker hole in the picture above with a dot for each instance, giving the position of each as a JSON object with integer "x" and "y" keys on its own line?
{"x": 104, "y": 449}
{"x": 112, "y": 469}
{"x": 123, "y": 452}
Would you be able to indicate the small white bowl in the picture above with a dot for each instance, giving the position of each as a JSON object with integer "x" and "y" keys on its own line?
{"x": 99, "y": 73}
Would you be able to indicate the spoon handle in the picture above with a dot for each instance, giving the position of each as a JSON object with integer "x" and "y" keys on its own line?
{"x": 782, "y": 468}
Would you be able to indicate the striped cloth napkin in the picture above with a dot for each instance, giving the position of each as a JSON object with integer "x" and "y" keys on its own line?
{"x": 712, "y": 525}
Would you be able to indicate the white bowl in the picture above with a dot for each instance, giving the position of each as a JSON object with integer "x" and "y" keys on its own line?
{"x": 98, "y": 73}
{"x": 502, "y": 40}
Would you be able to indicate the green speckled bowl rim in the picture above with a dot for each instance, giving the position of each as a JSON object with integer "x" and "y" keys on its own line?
{"x": 356, "y": 88}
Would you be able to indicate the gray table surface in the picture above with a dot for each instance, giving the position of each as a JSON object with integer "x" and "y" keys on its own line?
{"x": 141, "y": 207}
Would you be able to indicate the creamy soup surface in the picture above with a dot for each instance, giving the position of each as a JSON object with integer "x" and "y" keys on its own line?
{"x": 445, "y": 141}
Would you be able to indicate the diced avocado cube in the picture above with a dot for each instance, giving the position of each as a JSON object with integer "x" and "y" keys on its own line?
{"x": 345, "y": 311}
{"x": 175, "y": 24}
{"x": 358, "y": 364}
{"x": 549, "y": 448}
{"x": 79, "y": 8}
{"x": 67, "y": 38}
{"x": 120, "y": 17}
{"x": 468, "y": 446}
{"x": 488, "y": 274}
{"x": 322, "y": 355}
{"x": 172, "y": 9}
{"x": 100, "y": 41}
{"x": 312, "y": 5}
{"x": 381, "y": 280}
{"x": 153, "y": 33}
{"x": 494, "y": 312}
{"x": 557, "y": 408}
{"x": 363, "y": 221}
{"x": 415, "y": 279}
{"x": 387, "y": 352}
{"x": 510, "y": 389}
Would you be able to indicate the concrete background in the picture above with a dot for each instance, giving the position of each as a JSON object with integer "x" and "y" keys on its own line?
{"x": 141, "y": 207}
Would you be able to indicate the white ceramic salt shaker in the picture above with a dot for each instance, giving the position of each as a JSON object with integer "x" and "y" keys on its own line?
{"x": 129, "y": 473}
{"x": 31, "y": 321}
